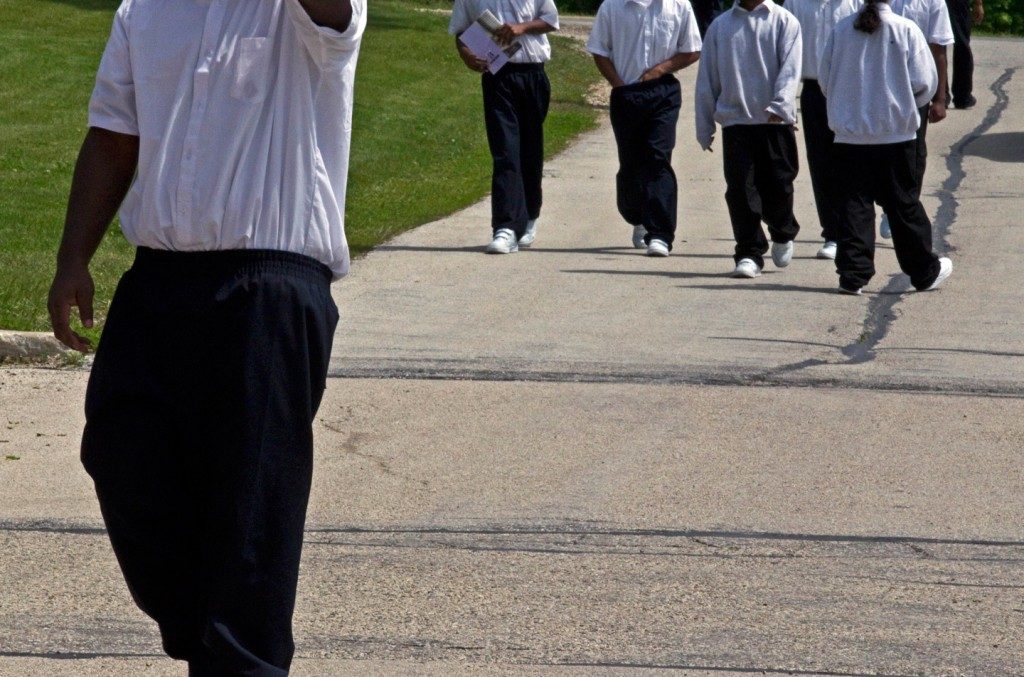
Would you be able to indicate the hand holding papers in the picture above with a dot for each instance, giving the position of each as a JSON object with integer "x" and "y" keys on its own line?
{"x": 480, "y": 39}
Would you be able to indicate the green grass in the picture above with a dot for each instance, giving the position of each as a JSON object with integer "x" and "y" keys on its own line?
{"x": 419, "y": 150}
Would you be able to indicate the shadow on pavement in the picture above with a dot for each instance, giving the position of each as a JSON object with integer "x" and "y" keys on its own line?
{"x": 1002, "y": 147}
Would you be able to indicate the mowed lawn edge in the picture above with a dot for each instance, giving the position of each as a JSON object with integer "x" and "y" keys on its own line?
{"x": 419, "y": 149}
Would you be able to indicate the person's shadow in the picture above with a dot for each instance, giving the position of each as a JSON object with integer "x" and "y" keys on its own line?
{"x": 1001, "y": 147}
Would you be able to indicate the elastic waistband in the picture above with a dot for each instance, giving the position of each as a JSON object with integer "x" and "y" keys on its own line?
{"x": 518, "y": 68}
{"x": 229, "y": 261}
{"x": 666, "y": 79}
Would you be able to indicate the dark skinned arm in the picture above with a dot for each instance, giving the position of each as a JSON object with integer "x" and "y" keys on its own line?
{"x": 336, "y": 14}
{"x": 607, "y": 68}
{"x": 472, "y": 61}
{"x": 937, "y": 112}
{"x": 676, "y": 63}
{"x": 103, "y": 174}
{"x": 509, "y": 32}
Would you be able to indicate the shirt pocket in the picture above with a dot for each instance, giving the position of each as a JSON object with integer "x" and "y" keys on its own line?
{"x": 665, "y": 33}
{"x": 251, "y": 73}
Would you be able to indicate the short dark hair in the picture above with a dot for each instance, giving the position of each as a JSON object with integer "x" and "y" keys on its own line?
{"x": 869, "y": 21}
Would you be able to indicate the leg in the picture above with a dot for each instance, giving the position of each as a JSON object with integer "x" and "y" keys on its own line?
{"x": 536, "y": 95}
{"x": 508, "y": 201}
{"x": 660, "y": 190}
{"x": 819, "y": 139}
{"x": 776, "y": 167}
{"x": 741, "y": 194}
{"x": 911, "y": 228}
{"x": 629, "y": 129}
{"x": 855, "y": 257}
{"x": 962, "y": 82}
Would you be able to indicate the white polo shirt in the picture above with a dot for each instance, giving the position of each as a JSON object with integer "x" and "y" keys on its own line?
{"x": 536, "y": 48}
{"x": 817, "y": 19}
{"x": 244, "y": 113}
{"x": 931, "y": 16}
{"x": 639, "y": 34}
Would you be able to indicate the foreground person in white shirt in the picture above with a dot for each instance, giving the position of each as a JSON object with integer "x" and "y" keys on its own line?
{"x": 747, "y": 83}
{"x": 817, "y": 19}
{"x": 876, "y": 72}
{"x": 224, "y": 127}
{"x": 516, "y": 102}
{"x": 638, "y": 45}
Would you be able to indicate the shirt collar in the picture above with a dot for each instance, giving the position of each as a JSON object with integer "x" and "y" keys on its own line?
{"x": 883, "y": 7}
{"x": 643, "y": 3}
{"x": 766, "y": 6}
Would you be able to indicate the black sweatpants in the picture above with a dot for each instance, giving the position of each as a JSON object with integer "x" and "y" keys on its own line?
{"x": 818, "y": 138}
{"x": 760, "y": 164}
{"x": 644, "y": 116}
{"x": 199, "y": 439}
{"x": 516, "y": 102}
{"x": 962, "y": 81}
{"x": 886, "y": 174}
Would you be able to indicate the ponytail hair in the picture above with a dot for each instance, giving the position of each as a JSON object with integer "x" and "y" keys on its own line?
{"x": 869, "y": 21}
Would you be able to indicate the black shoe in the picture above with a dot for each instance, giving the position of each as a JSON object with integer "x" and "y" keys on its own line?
{"x": 964, "y": 105}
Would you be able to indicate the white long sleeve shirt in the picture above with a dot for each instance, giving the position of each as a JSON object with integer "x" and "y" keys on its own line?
{"x": 639, "y": 34}
{"x": 876, "y": 82}
{"x": 817, "y": 19}
{"x": 931, "y": 16}
{"x": 749, "y": 69}
{"x": 536, "y": 47}
{"x": 244, "y": 114}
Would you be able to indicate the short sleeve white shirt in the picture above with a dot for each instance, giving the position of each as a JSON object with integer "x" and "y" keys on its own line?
{"x": 817, "y": 19}
{"x": 931, "y": 16}
{"x": 536, "y": 48}
{"x": 244, "y": 114}
{"x": 639, "y": 34}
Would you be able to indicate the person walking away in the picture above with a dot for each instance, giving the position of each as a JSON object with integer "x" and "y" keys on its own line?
{"x": 747, "y": 83}
{"x": 705, "y": 11}
{"x": 637, "y": 46}
{"x": 932, "y": 17}
{"x": 817, "y": 19}
{"x": 877, "y": 72}
{"x": 516, "y": 102}
{"x": 224, "y": 128}
{"x": 963, "y": 14}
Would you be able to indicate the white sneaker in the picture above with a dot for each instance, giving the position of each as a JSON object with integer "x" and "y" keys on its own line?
{"x": 657, "y": 247}
{"x": 827, "y": 251}
{"x": 849, "y": 292}
{"x": 746, "y": 268}
{"x": 945, "y": 270}
{"x": 639, "y": 233}
{"x": 530, "y": 235}
{"x": 782, "y": 253}
{"x": 504, "y": 242}
{"x": 883, "y": 228}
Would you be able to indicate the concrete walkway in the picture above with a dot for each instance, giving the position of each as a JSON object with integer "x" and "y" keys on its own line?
{"x": 577, "y": 460}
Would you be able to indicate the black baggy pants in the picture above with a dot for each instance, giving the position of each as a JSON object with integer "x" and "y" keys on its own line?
{"x": 886, "y": 174}
{"x": 818, "y": 138}
{"x": 516, "y": 102}
{"x": 644, "y": 117}
{"x": 760, "y": 164}
{"x": 199, "y": 439}
{"x": 962, "y": 82}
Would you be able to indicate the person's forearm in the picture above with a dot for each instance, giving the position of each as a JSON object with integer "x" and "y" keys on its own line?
{"x": 677, "y": 62}
{"x": 103, "y": 174}
{"x": 536, "y": 27}
{"x": 607, "y": 69}
{"x": 336, "y": 14}
{"x": 939, "y": 54}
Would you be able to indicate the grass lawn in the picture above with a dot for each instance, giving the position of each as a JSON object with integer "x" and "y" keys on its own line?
{"x": 419, "y": 149}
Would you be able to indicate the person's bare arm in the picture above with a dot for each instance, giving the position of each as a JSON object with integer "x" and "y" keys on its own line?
{"x": 676, "y": 63}
{"x": 509, "y": 32}
{"x": 937, "y": 112}
{"x": 472, "y": 61}
{"x": 978, "y": 13}
{"x": 607, "y": 68}
{"x": 103, "y": 175}
{"x": 336, "y": 14}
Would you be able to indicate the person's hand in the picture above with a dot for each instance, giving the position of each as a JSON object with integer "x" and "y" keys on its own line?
{"x": 509, "y": 32}
{"x": 774, "y": 119}
{"x": 937, "y": 111}
{"x": 652, "y": 73}
{"x": 978, "y": 13}
{"x": 472, "y": 61}
{"x": 71, "y": 287}
{"x": 709, "y": 146}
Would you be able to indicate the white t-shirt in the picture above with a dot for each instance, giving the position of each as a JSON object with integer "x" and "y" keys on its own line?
{"x": 639, "y": 34}
{"x": 817, "y": 19}
{"x": 536, "y": 48}
{"x": 931, "y": 16}
{"x": 244, "y": 114}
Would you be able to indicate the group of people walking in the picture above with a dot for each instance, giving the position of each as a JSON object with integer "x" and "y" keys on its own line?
{"x": 871, "y": 75}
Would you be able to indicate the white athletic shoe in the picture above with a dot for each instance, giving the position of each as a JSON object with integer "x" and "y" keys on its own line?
{"x": 639, "y": 233}
{"x": 504, "y": 242}
{"x": 530, "y": 235}
{"x": 657, "y": 248}
{"x": 746, "y": 268}
{"x": 945, "y": 270}
{"x": 782, "y": 253}
{"x": 883, "y": 228}
{"x": 849, "y": 292}
{"x": 827, "y": 251}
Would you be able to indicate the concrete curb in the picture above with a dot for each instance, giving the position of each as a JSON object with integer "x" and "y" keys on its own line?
{"x": 18, "y": 346}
